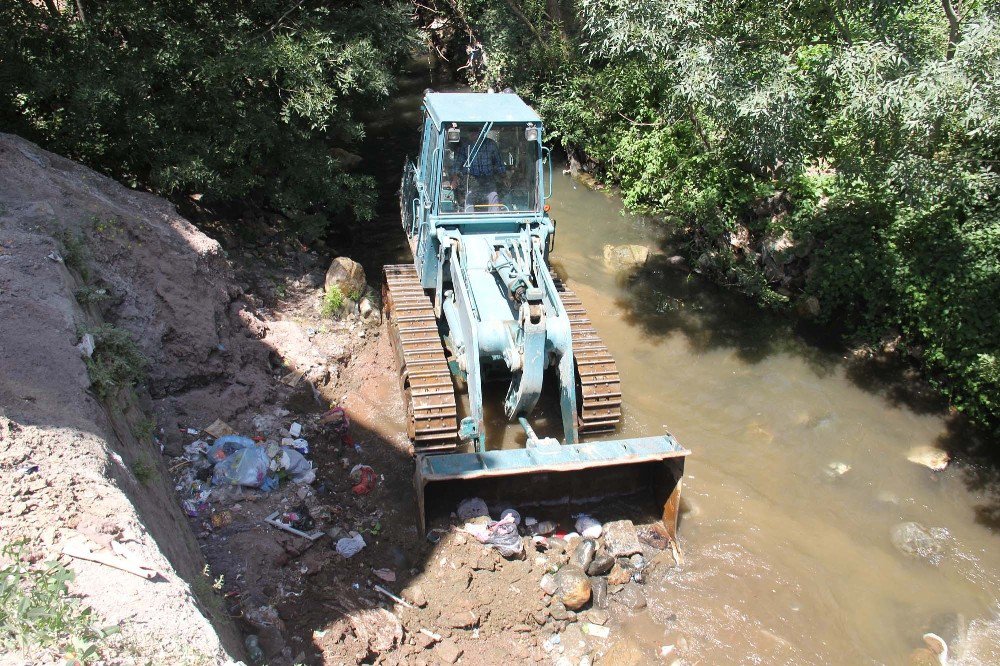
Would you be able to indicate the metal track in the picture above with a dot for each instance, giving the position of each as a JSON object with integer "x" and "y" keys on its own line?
{"x": 432, "y": 416}
{"x": 600, "y": 388}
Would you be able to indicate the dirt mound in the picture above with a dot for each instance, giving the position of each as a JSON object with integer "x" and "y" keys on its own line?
{"x": 78, "y": 456}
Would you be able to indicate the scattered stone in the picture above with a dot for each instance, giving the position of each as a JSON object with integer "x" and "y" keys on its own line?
{"x": 460, "y": 620}
{"x": 557, "y": 544}
{"x": 637, "y": 561}
{"x": 548, "y": 584}
{"x": 597, "y": 616}
{"x": 601, "y": 564}
{"x": 583, "y": 554}
{"x": 631, "y": 597}
{"x": 620, "y": 573}
{"x": 447, "y": 651}
{"x": 915, "y": 540}
{"x": 572, "y": 586}
{"x": 415, "y": 595}
{"x": 929, "y": 457}
{"x": 558, "y": 610}
{"x": 625, "y": 652}
{"x": 599, "y": 592}
{"x": 621, "y": 538}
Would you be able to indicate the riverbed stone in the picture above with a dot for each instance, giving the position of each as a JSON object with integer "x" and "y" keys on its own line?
{"x": 572, "y": 586}
{"x": 625, "y": 257}
{"x": 621, "y": 538}
{"x": 583, "y": 554}
{"x": 348, "y": 276}
{"x": 558, "y": 610}
{"x": 599, "y": 592}
{"x": 915, "y": 540}
{"x": 631, "y": 597}
{"x": 548, "y": 584}
{"x": 601, "y": 564}
{"x": 620, "y": 573}
{"x": 625, "y": 652}
{"x": 930, "y": 457}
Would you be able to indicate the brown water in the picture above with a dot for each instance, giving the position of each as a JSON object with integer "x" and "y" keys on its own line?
{"x": 784, "y": 563}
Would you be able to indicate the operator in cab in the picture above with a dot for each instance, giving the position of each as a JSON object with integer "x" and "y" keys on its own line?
{"x": 477, "y": 169}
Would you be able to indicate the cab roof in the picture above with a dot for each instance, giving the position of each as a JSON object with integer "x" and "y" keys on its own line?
{"x": 479, "y": 108}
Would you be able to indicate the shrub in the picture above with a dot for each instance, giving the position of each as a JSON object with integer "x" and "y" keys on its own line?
{"x": 37, "y": 613}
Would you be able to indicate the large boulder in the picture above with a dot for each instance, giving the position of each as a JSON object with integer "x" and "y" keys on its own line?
{"x": 348, "y": 276}
{"x": 625, "y": 257}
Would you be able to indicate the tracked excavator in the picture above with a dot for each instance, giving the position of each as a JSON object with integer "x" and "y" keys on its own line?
{"x": 480, "y": 302}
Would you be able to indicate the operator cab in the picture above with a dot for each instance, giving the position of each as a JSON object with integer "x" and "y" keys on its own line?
{"x": 490, "y": 168}
{"x": 481, "y": 160}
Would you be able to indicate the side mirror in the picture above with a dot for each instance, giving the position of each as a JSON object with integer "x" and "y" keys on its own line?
{"x": 453, "y": 134}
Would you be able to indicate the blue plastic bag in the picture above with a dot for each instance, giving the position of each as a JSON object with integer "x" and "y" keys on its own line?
{"x": 244, "y": 467}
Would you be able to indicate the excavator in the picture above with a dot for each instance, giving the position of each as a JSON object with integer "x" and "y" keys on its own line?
{"x": 480, "y": 303}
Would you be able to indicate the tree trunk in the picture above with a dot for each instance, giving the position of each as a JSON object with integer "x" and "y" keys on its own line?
{"x": 954, "y": 28}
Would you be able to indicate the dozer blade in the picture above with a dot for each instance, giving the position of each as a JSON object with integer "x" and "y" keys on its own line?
{"x": 649, "y": 468}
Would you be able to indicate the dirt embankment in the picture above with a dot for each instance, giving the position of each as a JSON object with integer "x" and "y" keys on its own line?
{"x": 79, "y": 461}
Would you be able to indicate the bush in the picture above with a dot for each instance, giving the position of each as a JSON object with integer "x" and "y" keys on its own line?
{"x": 116, "y": 362}
{"x": 333, "y": 301}
{"x": 37, "y": 613}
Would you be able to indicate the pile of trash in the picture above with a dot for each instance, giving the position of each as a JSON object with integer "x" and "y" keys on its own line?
{"x": 220, "y": 458}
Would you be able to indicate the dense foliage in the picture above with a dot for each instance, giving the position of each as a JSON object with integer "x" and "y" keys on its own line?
{"x": 254, "y": 100}
{"x": 861, "y": 134}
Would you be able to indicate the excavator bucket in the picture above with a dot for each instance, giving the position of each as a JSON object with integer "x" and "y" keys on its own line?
{"x": 645, "y": 471}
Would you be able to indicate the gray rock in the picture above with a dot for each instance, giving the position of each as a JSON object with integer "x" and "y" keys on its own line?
{"x": 601, "y": 564}
{"x": 637, "y": 561}
{"x": 631, "y": 597}
{"x": 599, "y": 592}
{"x": 558, "y": 610}
{"x": 548, "y": 584}
{"x": 583, "y": 554}
{"x": 915, "y": 540}
{"x": 621, "y": 538}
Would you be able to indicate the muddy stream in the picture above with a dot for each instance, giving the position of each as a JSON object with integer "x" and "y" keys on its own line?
{"x": 787, "y": 561}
